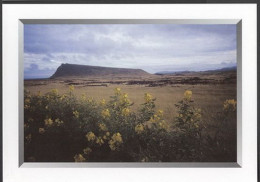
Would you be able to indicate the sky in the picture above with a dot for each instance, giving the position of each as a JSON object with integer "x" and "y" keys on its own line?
{"x": 151, "y": 47}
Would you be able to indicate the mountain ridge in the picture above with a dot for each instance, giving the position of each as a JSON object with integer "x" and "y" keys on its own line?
{"x": 76, "y": 70}
{"x": 233, "y": 68}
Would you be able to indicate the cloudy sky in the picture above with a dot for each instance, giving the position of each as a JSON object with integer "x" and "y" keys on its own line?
{"x": 151, "y": 47}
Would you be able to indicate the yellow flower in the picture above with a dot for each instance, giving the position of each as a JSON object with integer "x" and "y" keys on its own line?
{"x": 54, "y": 91}
{"x": 145, "y": 159}
{"x": 139, "y": 128}
{"x": 63, "y": 97}
{"x": 196, "y": 125}
{"x": 79, "y": 158}
{"x": 117, "y": 137}
{"x": 105, "y": 137}
{"x": 27, "y": 101}
{"x": 48, "y": 122}
{"x": 87, "y": 150}
{"x": 125, "y": 112}
{"x": 84, "y": 97}
{"x": 114, "y": 104}
{"x": 197, "y": 116}
{"x": 26, "y": 125}
{"x": 163, "y": 125}
{"x": 117, "y": 91}
{"x": 152, "y": 120}
{"x": 116, "y": 141}
{"x": 160, "y": 113}
{"x": 76, "y": 114}
{"x": 99, "y": 141}
{"x": 125, "y": 95}
{"x": 105, "y": 113}
{"x": 28, "y": 137}
{"x": 230, "y": 104}
{"x": 41, "y": 130}
{"x": 112, "y": 145}
{"x": 26, "y": 107}
{"x": 46, "y": 107}
{"x": 155, "y": 118}
{"x": 90, "y": 100}
{"x": 58, "y": 122}
{"x": 125, "y": 100}
{"x": 39, "y": 93}
{"x": 90, "y": 136}
{"x": 102, "y": 127}
{"x": 71, "y": 87}
{"x": 148, "y": 97}
{"x": 103, "y": 102}
{"x": 187, "y": 95}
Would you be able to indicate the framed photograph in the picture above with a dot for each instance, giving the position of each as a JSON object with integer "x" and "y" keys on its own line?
{"x": 148, "y": 96}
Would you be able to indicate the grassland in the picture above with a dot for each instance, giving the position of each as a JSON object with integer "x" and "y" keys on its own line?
{"x": 192, "y": 119}
{"x": 210, "y": 89}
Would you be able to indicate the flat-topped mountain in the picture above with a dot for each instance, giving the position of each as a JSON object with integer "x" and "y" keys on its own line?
{"x": 74, "y": 70}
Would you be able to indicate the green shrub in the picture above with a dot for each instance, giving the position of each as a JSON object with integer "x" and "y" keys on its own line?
{"x": 64, "y": 128}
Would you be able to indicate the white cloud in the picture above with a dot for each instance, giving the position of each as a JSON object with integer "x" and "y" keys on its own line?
{"x": 149, "y": 47}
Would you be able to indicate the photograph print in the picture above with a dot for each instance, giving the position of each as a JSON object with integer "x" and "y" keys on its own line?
{"x": 130, "y": 92}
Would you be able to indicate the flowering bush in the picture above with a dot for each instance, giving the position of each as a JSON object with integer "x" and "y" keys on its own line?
{"x": 63, "y": 128}
{"x": 221, "y": 142}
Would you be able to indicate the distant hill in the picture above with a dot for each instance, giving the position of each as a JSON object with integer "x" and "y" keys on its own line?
{"x": 74, "y": 70}
{"x": 185, "y": 72}
{"x": 234, "y": 68}
{"x": 173, "y": 72}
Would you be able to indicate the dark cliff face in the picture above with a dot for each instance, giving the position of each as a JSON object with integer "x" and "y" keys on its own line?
{"x": 73, "y": 70}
